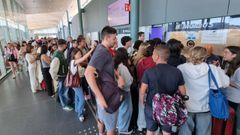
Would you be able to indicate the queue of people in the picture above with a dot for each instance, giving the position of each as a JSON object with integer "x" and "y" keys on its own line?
{"x": 154, "y": 70}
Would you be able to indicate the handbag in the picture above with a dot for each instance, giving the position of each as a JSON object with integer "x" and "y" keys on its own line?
{"x": 113, "y": 95}
{"x": 218, "y": 103}
{"x": 72, "y": 80}
{"x": 12, "y": 57}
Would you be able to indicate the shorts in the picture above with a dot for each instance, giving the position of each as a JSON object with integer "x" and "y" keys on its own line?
{"x": 153, "y": 125}
{"x": 109, "y": 120}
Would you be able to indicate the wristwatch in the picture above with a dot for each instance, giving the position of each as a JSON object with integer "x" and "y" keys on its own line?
{"x": 185, "y": 97}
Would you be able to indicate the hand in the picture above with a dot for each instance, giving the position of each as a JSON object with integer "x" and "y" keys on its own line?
{"x": 94, "y": 43}
{"x": 120, "y": 79}
{"x": 35, "y": 55}
{"x": 102, "y": 103}
{"x": 143, "y": 104}
{"x": 216, "y": 63}
{"x": 93, "y": 46}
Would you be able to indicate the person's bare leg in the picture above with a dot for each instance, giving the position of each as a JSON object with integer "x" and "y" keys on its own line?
{"x": 165, "y": 133}
{"x": 101, "y": 128}
{"x": 13, "y": 69}
{"x": 150, "y": 132}
{"x": 15, "y": 66}
{"x": 111, "y": 132}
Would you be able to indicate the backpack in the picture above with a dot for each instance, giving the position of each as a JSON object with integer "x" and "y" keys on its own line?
{"x": 169, "y": 110}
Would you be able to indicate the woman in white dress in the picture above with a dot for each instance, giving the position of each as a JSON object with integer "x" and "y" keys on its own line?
{"x": 32, "y": 68}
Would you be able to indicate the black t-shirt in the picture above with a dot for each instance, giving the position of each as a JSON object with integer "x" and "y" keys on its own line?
{"x": 175, "y": 61}
{"x": 162, "y": 78}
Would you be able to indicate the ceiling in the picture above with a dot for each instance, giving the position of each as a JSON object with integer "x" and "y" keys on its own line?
{"x": 44, "y": 13}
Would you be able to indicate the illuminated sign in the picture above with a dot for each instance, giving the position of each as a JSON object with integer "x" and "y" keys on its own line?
{"x": 193, "y": 26}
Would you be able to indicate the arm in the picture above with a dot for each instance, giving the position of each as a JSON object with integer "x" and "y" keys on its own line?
{"x": 84, "y": 58}
{"x": 54, "y": 67}
{"x": 30, "y": 60}
{"x": 182, "y": 90}
{"x": 235, "y": 82}
{"x": 120, "y": 79}
{"x": 124, "y": 72}
{"x": 16, "y": 53}
{"x": 90, "y": 77}
{"x": 222, "y": 79}
{"x": 142, "y": 91}
{"x": 46, "y": 59}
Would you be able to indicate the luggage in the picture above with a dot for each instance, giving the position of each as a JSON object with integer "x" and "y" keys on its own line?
{"x": 221, "y": 127}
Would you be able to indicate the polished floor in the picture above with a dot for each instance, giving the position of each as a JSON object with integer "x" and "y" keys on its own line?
{"x": 25, "y": 113}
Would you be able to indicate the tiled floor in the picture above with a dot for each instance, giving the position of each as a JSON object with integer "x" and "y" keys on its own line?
{"x": 25, "y": 113}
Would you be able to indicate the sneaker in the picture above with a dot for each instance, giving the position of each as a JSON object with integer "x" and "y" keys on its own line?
{"x": 14, "y": 77}
{"x": 140, "y": 129}
{"x": 87, "y": 97}
{"x": 67, "y": 108}
{"x": 81, "y": 118}
{"x": 125, "y": 132}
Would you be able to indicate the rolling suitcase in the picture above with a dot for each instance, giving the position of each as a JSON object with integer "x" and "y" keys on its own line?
{"x": 221, "y": 127}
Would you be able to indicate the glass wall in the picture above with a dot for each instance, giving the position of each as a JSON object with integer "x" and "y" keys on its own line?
{"x": 13, "y": 28}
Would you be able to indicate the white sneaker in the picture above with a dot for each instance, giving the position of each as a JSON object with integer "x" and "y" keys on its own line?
{"x": 140, "y": 129}
{"x": 126, "y": 132}
{"x": 67, "y": 108}
{"x": 81, "y": 118}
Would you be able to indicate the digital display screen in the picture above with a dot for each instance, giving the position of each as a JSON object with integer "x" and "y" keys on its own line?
{"x": 117, "y": 15}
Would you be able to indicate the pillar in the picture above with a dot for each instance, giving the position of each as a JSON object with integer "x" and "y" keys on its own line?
{"x": 134, "y": 19}
{"x": 69, "y": 27}
{"x": 80, "y": 17}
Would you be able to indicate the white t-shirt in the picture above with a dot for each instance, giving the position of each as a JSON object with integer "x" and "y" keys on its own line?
{"x": 74, "y": 68}
{"x": 30, "y": 57}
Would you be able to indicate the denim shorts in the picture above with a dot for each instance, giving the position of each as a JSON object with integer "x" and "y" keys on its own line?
{"x": 109, "y": 120}
{"x": 153, "y": 125}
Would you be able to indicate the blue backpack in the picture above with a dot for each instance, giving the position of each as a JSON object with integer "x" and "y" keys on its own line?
{"x": 218, "y": 103}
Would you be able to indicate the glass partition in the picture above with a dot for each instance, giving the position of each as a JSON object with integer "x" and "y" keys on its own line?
{"x": 13, "y": 28}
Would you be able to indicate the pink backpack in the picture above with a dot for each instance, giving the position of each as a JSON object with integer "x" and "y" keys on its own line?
{"x": 169, "y": 110}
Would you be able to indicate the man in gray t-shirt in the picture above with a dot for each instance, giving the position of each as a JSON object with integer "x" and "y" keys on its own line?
{"x": 101, "y": 61}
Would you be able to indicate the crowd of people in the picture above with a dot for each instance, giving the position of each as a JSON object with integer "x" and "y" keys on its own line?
{"x": 153, "y": 67}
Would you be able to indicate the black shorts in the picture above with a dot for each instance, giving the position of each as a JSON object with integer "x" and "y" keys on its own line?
{"x": 153, "y": 125}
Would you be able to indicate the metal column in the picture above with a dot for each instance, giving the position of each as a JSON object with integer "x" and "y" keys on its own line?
{"x": 63, "y": 30}
{"x": 69, "y": 26}
{"x": 134, "y": 19}
{"x": 80, "y": 17}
